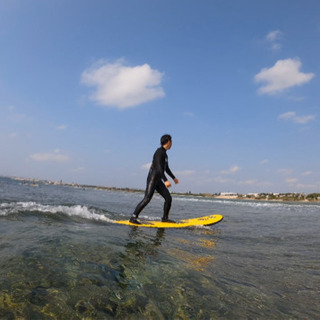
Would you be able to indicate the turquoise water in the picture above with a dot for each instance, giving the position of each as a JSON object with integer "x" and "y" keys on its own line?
{"x": 61, "y": 257}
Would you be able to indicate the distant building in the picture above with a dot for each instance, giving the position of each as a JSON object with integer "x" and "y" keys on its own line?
{"x": 228, "y": 194}
{"x": 252, "y": 194}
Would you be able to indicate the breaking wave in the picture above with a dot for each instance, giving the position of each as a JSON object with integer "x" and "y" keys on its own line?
{"x": 78, "y": 211}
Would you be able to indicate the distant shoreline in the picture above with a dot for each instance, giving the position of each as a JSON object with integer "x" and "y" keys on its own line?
{"x": 268, "y": 197}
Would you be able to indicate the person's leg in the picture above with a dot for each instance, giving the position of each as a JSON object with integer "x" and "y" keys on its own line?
{"x": 164, "y": 192}
{"x": 147, "y": 198}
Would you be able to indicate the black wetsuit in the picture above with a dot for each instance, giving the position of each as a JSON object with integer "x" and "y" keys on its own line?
{"x": 155, "y": 180}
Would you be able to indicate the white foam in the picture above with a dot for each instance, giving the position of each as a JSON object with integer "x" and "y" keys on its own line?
{"x": 72, "y": 211}
{"x": 251, "y": 203}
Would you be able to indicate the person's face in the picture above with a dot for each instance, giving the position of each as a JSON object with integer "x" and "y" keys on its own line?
{"x": 169, "y": 145}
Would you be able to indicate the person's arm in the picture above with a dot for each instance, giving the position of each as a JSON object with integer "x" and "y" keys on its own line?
{"x": 169, "y": 172}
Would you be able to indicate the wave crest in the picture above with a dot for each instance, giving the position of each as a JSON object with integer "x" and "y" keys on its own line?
{"x": 79, "y": 211}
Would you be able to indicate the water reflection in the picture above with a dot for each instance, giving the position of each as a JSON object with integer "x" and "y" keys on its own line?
{"x": 159, "y": 274}
{"x": 135, "y": 235}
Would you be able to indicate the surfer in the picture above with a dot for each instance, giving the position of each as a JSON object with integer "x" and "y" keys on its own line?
{"x": 157, "y": 181}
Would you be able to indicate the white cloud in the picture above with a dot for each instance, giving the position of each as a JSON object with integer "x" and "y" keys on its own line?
{"x": 146, "y": 166}
{"x": 304, "y": 119}
{"x": 275, "y": 46}
{"x": 231, "y": 170}
{"x": 55, "y": 156}
{"x": 307, "y": 173}
{"x": 273, "y": 37}
{"x": 283, "y": 75}
{"x": 265, "y": 161}
{"x": 121, "y": 86}
{"x": 292, "y": 116}
{"x": 287, "y": 115}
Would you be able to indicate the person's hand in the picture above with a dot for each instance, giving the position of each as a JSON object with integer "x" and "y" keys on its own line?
{"x": 167, "y": 184}
{"x": 176, "y": 181}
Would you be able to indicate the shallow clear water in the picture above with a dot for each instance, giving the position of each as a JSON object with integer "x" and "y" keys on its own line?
{"x": 61, "y": 257}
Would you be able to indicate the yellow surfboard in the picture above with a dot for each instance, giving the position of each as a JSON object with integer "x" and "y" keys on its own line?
{"x": 201, "y": 221}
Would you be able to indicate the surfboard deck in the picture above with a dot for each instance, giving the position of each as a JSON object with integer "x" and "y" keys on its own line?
{"x": 201, "y": 221}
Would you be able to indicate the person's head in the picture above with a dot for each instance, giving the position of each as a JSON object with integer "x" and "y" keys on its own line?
{"x": 166, "y": 141}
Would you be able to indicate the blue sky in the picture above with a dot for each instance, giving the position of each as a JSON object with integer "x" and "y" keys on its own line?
{"x": 87, "y": 87}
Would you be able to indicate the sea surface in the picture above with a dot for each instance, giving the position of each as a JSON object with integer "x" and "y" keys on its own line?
{"x": 62, "y": 257}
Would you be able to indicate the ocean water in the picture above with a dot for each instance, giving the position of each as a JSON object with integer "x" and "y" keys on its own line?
{"x": 62, "y": 257}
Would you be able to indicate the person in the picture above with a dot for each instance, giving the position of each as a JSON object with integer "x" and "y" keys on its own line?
{"x": 157, "y": 181}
